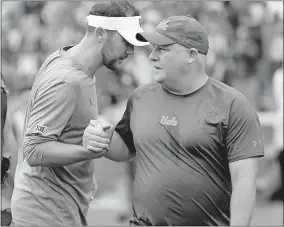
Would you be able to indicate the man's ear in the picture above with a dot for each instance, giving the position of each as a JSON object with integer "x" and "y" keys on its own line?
{"x": 101, "y": 34}
{"x": 192, "y": 55}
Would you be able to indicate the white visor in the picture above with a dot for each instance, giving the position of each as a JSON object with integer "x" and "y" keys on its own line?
{"x": 127, "y": 27}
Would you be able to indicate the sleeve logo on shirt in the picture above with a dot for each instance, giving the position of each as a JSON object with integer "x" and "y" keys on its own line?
{"x": 40, "y": 128}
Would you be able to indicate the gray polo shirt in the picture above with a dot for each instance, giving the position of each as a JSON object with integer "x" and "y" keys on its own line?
{"x": 61, "y": 104}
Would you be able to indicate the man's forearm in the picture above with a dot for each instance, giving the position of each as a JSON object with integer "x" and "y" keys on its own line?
{"x": 242, "y": 203}
{"x": 53, "y": 153}
{"x": 118, "y": 151}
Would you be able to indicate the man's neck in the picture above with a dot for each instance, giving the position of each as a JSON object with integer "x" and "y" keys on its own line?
{"x": 187, "y": 85}
{"x": 87, "y": 56}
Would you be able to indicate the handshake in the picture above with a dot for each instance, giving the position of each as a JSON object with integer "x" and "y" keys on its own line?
{"x": 97, "y": 136}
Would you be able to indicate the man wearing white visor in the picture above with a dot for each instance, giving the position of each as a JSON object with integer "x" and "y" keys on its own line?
{"x": 127, "y": 27}
{"x": 54, "y": 180}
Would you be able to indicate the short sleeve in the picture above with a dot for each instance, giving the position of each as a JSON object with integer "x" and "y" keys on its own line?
{"x": 123, "y": 127}
{"x": 52, "y": 109}
{"x": 244, "y": 135}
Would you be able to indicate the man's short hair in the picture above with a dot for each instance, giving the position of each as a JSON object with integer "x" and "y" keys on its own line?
{"x": 114, "y": 9}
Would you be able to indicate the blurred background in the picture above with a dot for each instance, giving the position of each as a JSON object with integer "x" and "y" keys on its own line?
{"x": 246, "y": 52}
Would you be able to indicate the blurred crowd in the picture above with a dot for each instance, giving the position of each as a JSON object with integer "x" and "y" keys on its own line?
{"x": 246, "y": 47}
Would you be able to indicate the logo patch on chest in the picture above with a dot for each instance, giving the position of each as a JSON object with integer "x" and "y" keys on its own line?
{"x": 166, "y": 120}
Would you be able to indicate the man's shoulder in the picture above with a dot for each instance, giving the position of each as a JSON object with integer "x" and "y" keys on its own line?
{"x": 224, "y": 93}
{"x": 52, "y": 68}
{"x": 67, "y": 70}
{"x": 76, "y": 77}
{"x": 144, "y": 89}
{"x": 57, "y": 69}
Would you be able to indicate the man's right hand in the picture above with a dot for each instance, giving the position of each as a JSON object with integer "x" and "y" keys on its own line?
{"x": 95, "y": 137}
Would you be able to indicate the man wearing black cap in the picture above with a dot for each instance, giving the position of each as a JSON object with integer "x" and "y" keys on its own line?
{"x": 54, "y": 180}
{"x": 196, "y": 140}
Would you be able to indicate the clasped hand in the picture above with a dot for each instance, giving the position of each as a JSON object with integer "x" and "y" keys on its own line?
{"x": 97, "y": 136}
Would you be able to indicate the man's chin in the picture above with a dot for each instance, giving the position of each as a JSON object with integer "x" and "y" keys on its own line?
{"x": 115, "y": 66}
{"x": 159, "y": 78}
{"x": 112, "y": 67}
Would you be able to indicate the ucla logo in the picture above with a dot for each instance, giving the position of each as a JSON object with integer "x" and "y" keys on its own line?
{"x": 167, "y": 121}
{"x": 163, "y": 25}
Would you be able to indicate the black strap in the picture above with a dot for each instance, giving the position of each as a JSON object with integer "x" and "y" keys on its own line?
{"x": 5, "y": 165}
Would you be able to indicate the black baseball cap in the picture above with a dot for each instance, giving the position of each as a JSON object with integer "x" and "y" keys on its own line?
{"x": 183, "y": 30}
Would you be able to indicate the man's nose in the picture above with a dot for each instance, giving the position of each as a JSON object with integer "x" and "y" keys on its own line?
{"x": 153, "y": 56}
